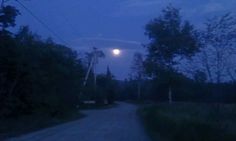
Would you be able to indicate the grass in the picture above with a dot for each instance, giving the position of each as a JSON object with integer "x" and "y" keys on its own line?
{"x": 190, "y": 122}
{"x": 25, "y": 124}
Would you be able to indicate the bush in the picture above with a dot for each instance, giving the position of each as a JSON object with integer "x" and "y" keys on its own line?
{"x": 190, "y": 122}
{"x": 37, "y": 76}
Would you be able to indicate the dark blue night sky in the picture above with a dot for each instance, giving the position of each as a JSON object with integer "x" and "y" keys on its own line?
{"x": 109, "y": 24}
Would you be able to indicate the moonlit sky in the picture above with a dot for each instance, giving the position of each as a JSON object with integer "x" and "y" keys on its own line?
{"x": 110, "y": 24}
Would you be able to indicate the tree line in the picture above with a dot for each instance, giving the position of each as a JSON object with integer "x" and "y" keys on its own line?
{"x": 40, "y": 76}
{"x": 183, "y": 63}
{"x": 37, "y": 74}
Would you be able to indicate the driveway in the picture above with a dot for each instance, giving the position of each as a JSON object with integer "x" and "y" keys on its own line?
{"x": 116, "y": 124}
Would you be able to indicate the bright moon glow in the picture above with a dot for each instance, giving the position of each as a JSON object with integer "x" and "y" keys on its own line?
{"x": 116, "y": 52}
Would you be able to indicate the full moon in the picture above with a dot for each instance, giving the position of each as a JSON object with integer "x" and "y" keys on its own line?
{"x": 116, "y": 52}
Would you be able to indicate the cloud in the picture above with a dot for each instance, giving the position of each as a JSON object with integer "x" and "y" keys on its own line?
{"x": 138, "y": 7}
{"x": 88, "y": 42}
{"x": 213, "y": 7}
{"x": 109, "y": 39}
{"x": 142, "y": 3}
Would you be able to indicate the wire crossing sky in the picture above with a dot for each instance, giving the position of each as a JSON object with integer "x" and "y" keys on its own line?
{"x": 41, "y": 22}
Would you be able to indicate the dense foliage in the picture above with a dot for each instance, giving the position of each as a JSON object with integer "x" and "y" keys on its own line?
{"x": 37, "y": 75}
{"x": 181, "y": 61}
{"x": 170, "y": 37}
{"x": 190, "y": 121}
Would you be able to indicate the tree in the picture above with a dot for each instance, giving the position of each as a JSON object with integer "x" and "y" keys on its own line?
{"x": 138, "y": 70}
{"x": 218, "y": 52}
{"x": 200, "y": 77}
{"x": 110, "y": 87}
{"x": 170, "y": 39}
{"x": 37, "y": 76}
{"x": 7, "y": 16}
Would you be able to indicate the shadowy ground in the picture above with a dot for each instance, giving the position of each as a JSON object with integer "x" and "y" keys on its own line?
{"x": 13, "y": 127}
{"x": 17, "y": 126}
{"x": 119, "y": 123}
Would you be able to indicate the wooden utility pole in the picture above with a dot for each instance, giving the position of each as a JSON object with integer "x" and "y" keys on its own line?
{"x": 92, "y": 64}
{"x": 93, "y": 61}
{"x": 95, "y": 57}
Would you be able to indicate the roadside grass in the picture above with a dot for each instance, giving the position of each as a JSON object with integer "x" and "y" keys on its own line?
{"x": 13, "y": 127}
{"x": 190, "y": 121}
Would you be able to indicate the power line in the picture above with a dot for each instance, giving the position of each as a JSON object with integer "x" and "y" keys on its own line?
{"x": 41, "y": 22}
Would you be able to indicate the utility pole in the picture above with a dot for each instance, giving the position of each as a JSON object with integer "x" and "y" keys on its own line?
{"x": 95, "y": 56}
{"x": 92, "y": 63}
{"x": 92, "y": 66}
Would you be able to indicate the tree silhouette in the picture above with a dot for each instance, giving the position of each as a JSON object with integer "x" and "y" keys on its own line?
{"x": 218, "y": 52}
{"x": 170, "y": 38}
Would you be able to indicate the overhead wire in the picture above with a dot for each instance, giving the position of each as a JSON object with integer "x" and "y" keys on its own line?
{"x": 41, "y": 22}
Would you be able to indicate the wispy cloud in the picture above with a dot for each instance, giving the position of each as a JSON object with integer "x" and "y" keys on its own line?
{"x": 138, "y": 7}
{"x": 108, "y": 39}
{"x": 213, "y": 7}
{"x": 142, "y": 3}
{"x": 88, "y": 42}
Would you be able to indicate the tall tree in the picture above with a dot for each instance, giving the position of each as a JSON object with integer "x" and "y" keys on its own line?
{"x": 218, "y": 52}
{"x": 110, "y": 86}
{"x": 138, "y": 71}
{"x": 170, "y": 38}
